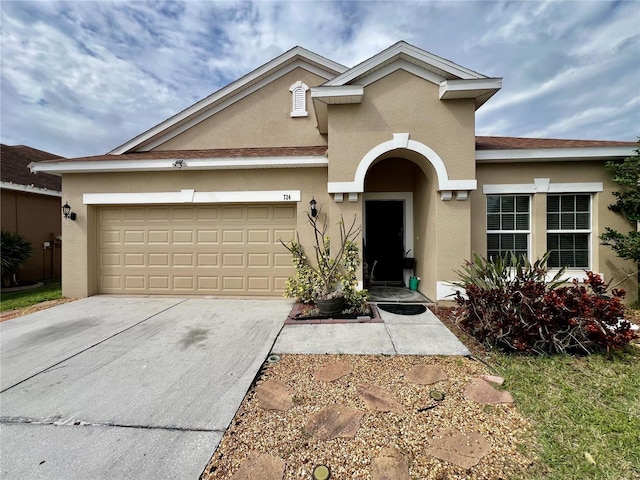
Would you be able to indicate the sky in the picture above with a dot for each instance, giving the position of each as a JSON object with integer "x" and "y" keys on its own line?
{"x": 81, "y": 78}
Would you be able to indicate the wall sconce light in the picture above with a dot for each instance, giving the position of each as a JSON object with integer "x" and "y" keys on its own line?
{"x": 314, "y": 210}
{"x": 66, "y": 211}
{"x": 179, "y": 164}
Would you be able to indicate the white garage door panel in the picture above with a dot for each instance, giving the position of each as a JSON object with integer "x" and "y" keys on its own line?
{"x": 218, "y": 250}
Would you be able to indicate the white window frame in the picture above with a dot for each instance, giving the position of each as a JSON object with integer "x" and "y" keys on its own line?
{"x": 527, "y": 232}
{"x": 299, "y": 99}
{"x": 588, "y": 231}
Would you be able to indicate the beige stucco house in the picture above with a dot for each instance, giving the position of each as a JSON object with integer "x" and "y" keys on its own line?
{"x": 199, "y": 203}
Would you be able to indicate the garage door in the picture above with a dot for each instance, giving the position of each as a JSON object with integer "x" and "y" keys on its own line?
{"x": 209, "y": 249}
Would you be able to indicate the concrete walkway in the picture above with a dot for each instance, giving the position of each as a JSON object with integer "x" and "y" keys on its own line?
{"x": 421, "y": 334}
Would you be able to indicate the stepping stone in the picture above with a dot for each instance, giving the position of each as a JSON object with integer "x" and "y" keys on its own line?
{"x": 426, "y": 374}
{"x": 493, "y": 379}
{"x": 481, "y": 391}
{"x": 274, "y": 395}
{"x": 333, "y": 422}
{"x": 378, "y": 399}
{"x": 390, "y": 465}
{"x": 462, "y": 449}
{"x": 333, "y": 371}
{"x": 260, "y": 465}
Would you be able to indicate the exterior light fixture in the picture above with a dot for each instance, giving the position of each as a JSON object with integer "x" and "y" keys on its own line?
{"x": 179, "y": 164}
{"x": 66, "y": 211}
{"x": 314, "y": 210}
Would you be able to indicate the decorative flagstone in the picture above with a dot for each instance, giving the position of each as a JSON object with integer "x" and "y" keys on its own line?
{"x": 274, "y": 395}
{"x": 481, "y": 391}
{"x": 333, "y": 422}
{"x": 260, "y": 465}
{"x": 493, "y": 379}
{"x": 462, "y": 449}
{"x": 426, "y": 374}
{"x": 333, "y": 371}
{"x": 390, "y": 465}
{"x": 378, "y": 399}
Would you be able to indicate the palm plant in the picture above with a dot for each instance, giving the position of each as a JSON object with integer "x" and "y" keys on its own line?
{"x": 14, "y": 251}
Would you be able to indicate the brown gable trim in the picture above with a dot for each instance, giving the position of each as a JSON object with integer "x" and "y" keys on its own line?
{"x": 516, "y": 143}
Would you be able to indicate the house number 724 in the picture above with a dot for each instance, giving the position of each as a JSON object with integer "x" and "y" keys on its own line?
{"x": 287, "y": 196}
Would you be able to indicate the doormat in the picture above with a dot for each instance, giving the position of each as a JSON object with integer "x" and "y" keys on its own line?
{"x": 402, "y": 308}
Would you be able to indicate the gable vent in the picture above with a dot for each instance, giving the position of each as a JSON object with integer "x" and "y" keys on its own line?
{"x": 299, "y": 92}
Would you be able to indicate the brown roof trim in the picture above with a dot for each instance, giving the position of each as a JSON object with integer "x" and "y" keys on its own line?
{"x": 213, "y": 153}
{"x": 515, "y": 143}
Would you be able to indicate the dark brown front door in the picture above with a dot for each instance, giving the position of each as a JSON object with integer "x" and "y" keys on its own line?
{"x": 384, "y": 239}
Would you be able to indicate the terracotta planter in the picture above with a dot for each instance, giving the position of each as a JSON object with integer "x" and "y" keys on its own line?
{"x": 330, "y": 306}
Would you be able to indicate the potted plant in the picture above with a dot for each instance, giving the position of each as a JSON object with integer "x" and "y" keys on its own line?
{"x": 330, "y": 281}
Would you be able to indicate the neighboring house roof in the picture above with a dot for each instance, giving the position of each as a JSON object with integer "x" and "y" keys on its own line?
{"x": 16, "y": 175}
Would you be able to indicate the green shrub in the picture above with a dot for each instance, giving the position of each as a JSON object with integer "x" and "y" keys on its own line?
{"x": 330, "y": 276}
{"x": 14, "y": 251}
{"x": 510, "y": 304}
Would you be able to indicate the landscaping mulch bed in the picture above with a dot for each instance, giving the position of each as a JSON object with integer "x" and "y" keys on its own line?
{"x": 292, "y": 439}
{"x": 303, "y": 313}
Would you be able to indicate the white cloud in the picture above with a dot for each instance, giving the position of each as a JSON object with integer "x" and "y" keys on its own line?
{"x": 80, "y": 78}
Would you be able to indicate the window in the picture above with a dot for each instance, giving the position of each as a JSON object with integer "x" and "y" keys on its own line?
{"x": 299, "y": 93}
{"x": 568, "y": 230}
{"x": 508, "y": 225}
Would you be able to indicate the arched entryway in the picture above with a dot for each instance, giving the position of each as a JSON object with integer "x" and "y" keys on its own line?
{"x": 441, "y": 236}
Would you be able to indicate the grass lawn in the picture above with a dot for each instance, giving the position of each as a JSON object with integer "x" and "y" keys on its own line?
{"x": 586, "y": 412}
{"x": 26, "y": 298}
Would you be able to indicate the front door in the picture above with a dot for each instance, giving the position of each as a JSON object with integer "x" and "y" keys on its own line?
{"x": 384, "y": 240}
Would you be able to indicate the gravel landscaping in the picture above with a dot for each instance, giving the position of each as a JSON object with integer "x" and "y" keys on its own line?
{"x": 407, "y": 432}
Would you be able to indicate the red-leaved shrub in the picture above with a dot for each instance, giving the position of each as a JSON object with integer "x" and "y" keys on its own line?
{"x": 510, "y": 304}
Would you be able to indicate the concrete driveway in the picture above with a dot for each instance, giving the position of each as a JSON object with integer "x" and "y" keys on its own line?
{"x": 119, "y": 388}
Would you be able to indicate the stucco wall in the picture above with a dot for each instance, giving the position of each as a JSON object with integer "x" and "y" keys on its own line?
{"x": 80, "y": 255}
{"x": 262, "y": 119}
{"x": 604, "y": 259}
{"x": 37, "y": 218}
{"x": 402, "y": 103}
{"x": 392, "y": 175}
